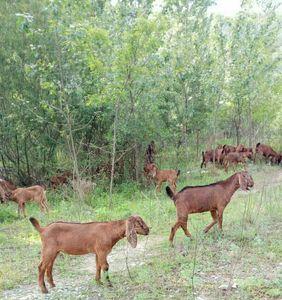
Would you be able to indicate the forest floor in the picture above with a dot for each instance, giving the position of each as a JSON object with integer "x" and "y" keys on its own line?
{"x": 244, "y": 264}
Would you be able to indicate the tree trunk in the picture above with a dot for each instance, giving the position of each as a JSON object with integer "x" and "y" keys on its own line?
{"x": 113, "y": 154}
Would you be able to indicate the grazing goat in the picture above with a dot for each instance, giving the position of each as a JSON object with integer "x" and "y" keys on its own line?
{"x": 61, "y": 179}
{"x": 208, "y": 156}
{"x": 161, "y": 176}
{"x": 6, "y": 187}
{"x": 227, "y": 149}
{"x": 33, "y": 193}
{"x": 83, "y": 238}
{"x": 266, "y": 151}
{"x": 213, "y": 197}
{"x": 241, "y": 148}
{"x": 234, "y": 158}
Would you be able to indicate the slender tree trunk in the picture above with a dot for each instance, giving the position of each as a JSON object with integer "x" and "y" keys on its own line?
{"x": 113, "y": 154}
{"x": 197, "y": 142}
{"x": 26, "y": 157}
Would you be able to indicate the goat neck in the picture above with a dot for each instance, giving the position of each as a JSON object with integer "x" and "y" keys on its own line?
{"x": 231, "y": 185}
{"x": 118, "y": 232}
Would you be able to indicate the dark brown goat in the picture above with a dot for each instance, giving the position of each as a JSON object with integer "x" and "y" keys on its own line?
{"x": 34, "y": 193}
{"x": 234, "y": 158}
{"x": 208, "y": 156}
{"x": 83, "y": 238}
{"x": 227, "y": 149}
{"x": 161, "y": 176}
{"x": 266, "y": 151}
{"x": 6, "y": 187}
{"x": 213, "y": 197}
{"x": 241, "y": 148}
{"x": 61, "y": 179}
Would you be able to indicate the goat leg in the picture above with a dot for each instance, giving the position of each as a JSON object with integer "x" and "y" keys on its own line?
{"x": 220, "y": 219}
{"x": 173, "y": 231}
{"x": 41, "y": 272}
{"x": 185, "y": 229}
{"x": 214, "y": 216}
{"x": 98, "y": 271}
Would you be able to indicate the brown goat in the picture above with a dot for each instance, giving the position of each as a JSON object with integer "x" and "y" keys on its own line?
{"x": 208, "y": 156}
{"x": 213, "y": 197}
{"x": 61, "y": 179}
{"x": 161, "y": 176}
{"x": 33, "y": 193}
{"x": 227, "y": 149}
{"x": 83, "y": 238}
{"x": 6, "y": 187}
{"x": 241, "y": 148}
{"x": 266, "y": 151}
{"x": 234, "y": 158}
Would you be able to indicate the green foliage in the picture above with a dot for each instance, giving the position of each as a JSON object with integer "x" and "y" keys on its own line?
{"x": 180, "y": 76}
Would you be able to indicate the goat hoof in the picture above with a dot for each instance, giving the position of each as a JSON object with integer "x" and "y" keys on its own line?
{"x": 98, "y": 282}
{"x": 44, "y": 291}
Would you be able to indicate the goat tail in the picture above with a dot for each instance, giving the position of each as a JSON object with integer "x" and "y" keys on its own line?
{"x": 178, "y": 173}
{"x": 170, "y": 193}
{"x": 36, "y": 224}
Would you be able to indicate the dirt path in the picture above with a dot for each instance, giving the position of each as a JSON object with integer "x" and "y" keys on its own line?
{"x": 84, "y": 287}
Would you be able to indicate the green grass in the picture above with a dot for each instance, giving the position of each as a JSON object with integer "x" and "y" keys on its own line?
{"x": 248, "y": 254}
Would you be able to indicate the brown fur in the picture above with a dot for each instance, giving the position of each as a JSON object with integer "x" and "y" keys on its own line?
{"x": 227, "y": 149}
{"x": 241, "y": 148}
{"x": 213, "y": 198}
{"x": 6, "y": 187}
{"x": 34, "y": 193}
{"x": 61, "y": 179}
{"x": 83, "y": 238}
{"x": 161, "y": 176}
{"x": 266, "y": 151}
{"x": 208, "y": 156}
{"x": 234, "y": 158}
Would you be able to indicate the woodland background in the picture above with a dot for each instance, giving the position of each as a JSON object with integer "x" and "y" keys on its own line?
{"x": 84, "y": 84}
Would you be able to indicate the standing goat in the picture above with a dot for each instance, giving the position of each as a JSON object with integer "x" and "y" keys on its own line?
{"x": 216, "y": 155}
{"x": 234, "y": 158}
{"x": 83, "y": 238}
{"x": 161, "y": 176}
{"x": 34, "y": 193}
{"x": 213, "y": 197}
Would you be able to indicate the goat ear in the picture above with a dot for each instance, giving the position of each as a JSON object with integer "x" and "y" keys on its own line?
{"x": 131, "y": 233}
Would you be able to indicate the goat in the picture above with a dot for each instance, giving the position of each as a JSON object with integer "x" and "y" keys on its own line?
{"x": 234, "y": 158}
{"x": 6, "y": 187}
{"x": 33, "y": 193}
{"x": 227, "y": 149}
{"x": 84, "y": 238}
{"x": 161, "y": 176}
{"x": 266, "y": 151}
{"x": 213, "y": 197}
{"x": 61, "y": 179}
{"x": 208, "y": 156}
{"x": 241, "y": 148}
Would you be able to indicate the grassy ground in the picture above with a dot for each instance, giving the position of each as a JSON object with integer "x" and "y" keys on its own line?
{"x": 244, "y": 264}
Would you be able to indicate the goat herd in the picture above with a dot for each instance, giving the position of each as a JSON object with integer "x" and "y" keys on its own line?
{"x": 230, "y": 155}
{"x": 100, "y": 237}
